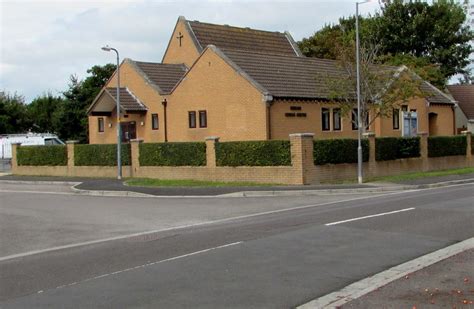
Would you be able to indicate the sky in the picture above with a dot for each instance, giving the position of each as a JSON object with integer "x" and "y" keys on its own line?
{"x": 43, "y": 42}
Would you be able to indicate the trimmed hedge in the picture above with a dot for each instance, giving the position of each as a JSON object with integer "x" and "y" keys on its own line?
{"x": 100, "y": 155}
{"x": 336, "y": 151}
{"x": 173, "y": 154}
{"x": 54, "y": 155}
{"x": 391, "y": 148}
{"x": 441, "y": 146}
{"x": 253, "y": 153}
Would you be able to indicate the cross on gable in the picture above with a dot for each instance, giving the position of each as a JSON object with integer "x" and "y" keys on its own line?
{"x": 180, "y": 37}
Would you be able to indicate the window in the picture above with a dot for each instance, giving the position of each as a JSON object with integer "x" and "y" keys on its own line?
{"x": 326, "y": 126}
{"x": 100, "y": 124}
{"x": 192, "y": 119}
{"x": 396, "y": 119}
{"x": 354, "y": 119}
{"x": 336, "y": 119}
{"x": 295, "y": 108}
{"x": 154, "y": 122}
{"x": 202, "y": 119}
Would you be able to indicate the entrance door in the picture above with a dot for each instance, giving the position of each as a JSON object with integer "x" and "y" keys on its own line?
{"x": 433, "y": 123}
{"x": 129, "y": 131}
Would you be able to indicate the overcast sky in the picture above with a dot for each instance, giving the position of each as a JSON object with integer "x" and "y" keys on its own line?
{"x": 44, "y": 42}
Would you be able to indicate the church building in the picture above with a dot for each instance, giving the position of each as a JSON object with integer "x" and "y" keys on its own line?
{"x": 242, "y": 84}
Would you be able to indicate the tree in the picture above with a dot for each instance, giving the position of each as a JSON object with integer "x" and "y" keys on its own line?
{"x": 13, "y": 114}
{"x": 43, "y": 112}
{"x": 431, "y": 39}
{"x": 383, "y": 88}
{"x": 72, "y": 121}
{"x": 435, "y": 31}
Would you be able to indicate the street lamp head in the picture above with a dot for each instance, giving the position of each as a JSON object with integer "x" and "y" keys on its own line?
{"x": 107, "y": 48}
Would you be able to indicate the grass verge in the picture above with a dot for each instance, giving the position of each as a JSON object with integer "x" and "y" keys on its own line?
{"x": 147, "y": 182}
{"x": 418, "y": 175}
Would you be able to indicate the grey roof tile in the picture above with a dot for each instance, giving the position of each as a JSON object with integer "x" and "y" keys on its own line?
{"x": 301, "y": 77}
{"x": 464, "y": 94}
{"x": 229, "y": 37}
{"x": 164, "y": 75}
{"x": 128, "y": 101}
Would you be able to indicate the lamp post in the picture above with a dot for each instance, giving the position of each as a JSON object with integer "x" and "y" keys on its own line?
{"x": 119, "y": 135}
{"x": 359, "y": 127}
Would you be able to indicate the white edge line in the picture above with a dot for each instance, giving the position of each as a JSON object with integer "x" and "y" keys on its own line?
{"x": 369, "y": 284}
{"x": 370, "y": 216}
{"x": 148, "y": 264}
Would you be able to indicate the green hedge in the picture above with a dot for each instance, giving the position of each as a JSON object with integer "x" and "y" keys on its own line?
{"x": 100, "y": 155}
{"x": 441, "y": 146}
{"x": 335, "y": 151}
{"x": 391, "y": 148}
{"x": 173, "y": 154}
{"x": 42, "y": 155}
{"x": 253, "y": 153}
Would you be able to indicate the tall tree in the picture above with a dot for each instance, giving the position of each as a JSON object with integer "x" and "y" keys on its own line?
{"x": 431, "y": 39}
{"x": 43, "y": 111}
{"x": 13, "y": 114}
{"x": 72, "y": 122}
{"x": 435, "y": 31}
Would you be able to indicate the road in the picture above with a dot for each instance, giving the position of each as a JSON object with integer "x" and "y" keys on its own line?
{"x": 232, "y": 253}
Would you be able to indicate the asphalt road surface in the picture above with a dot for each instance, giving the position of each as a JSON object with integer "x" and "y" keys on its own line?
{"x": 278, "y": 259}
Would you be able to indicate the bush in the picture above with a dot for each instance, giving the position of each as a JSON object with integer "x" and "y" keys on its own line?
{"x": 100, "y": 155}
{"x": 391, "y": 148}
{"x": 42, "y": 155}
{"x": 173, "y": 154}
{"x": 441, "y": 146}
{"x": 335, "y": 151}
{"x": 253, "y": 153}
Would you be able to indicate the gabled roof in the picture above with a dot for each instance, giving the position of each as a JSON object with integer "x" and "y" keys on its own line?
{"x": 301, "y": 77}
{"x": 128, "y": 101}
{"x": 228, "y": 37}
{"x": 464, "y": 94}
{"x": 162, "y": 75}
{"x": 105, "y": 102}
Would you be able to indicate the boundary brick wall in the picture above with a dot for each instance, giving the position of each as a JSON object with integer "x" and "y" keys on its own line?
{"x": 301, "y": 171}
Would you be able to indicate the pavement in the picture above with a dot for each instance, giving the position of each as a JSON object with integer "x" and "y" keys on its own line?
{"x": 446, "y": 284}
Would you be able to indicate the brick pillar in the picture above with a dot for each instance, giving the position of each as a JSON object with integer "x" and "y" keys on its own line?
{"x": 424, "y": 150}
{"x": 468, "y": 135}
{"x": 14, "y": 162}
{"x": 70, "y": 157}
{"x": 302, "y": 155}
{"x": 211, "y": 151}
{"x": 135, "y": 156}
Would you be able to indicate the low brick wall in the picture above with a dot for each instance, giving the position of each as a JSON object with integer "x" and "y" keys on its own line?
{"x": 301, "y": 171}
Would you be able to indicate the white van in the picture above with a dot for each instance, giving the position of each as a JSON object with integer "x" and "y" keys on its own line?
{"x": 27, "y": 139}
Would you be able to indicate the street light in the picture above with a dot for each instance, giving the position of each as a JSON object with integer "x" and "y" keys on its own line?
{"x": 119, "y": 136}
{"x": 359, "y": 127}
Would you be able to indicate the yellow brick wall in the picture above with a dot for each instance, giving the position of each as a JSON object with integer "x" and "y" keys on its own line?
{"x": 444, "y": 125}
{"x": 235, "y": 110}
{"x": 282, "y": 126}
{"x": 131, "y": 79}
{"x": 187, "y": 52}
